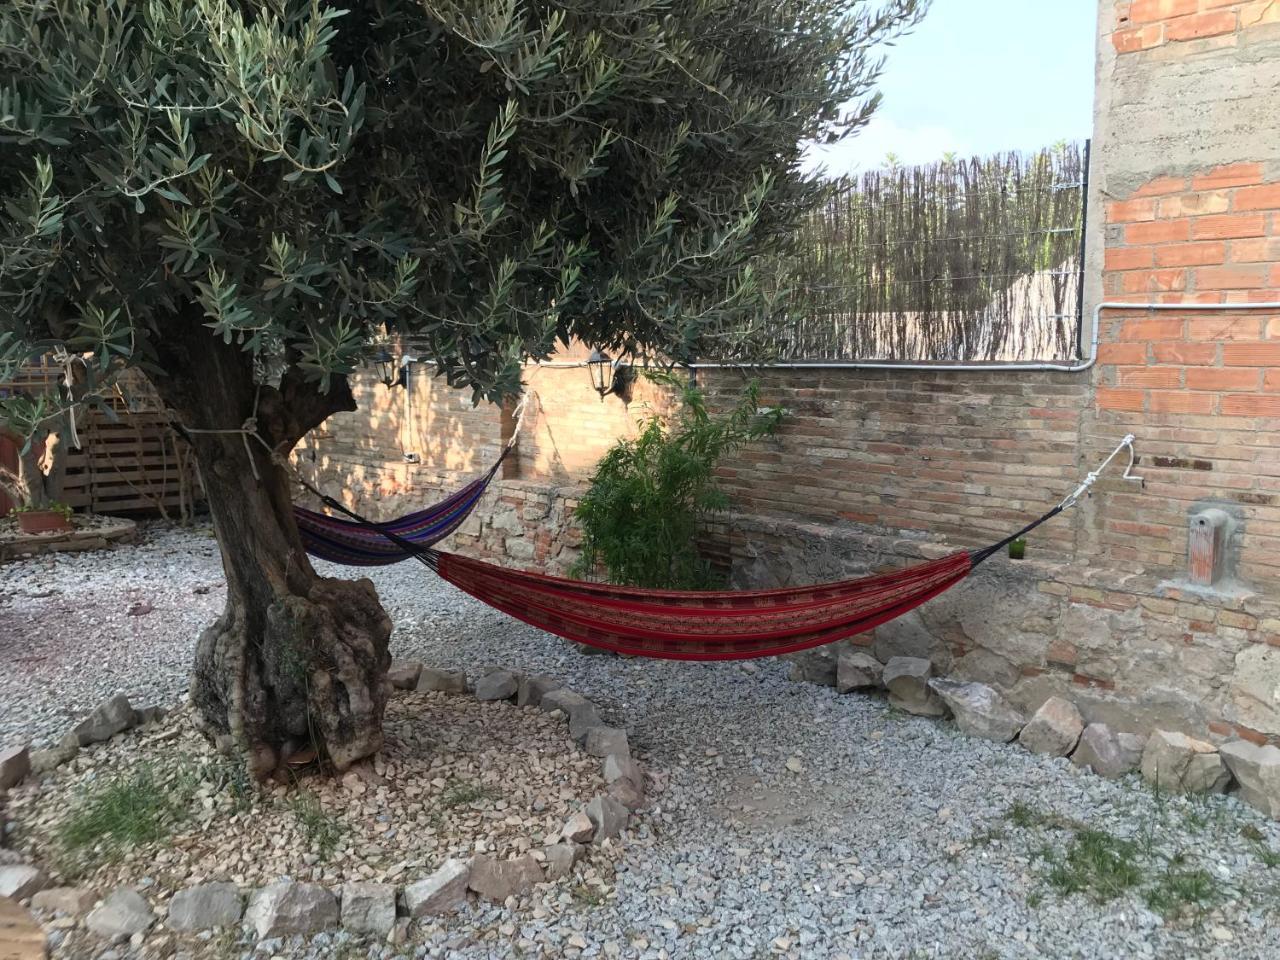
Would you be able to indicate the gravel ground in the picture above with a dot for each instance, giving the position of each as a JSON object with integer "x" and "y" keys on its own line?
{"x": 457, "y": 776}
{"x": 794, "y": 822}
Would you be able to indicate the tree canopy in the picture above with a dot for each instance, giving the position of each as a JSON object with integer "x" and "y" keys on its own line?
{"x": 490, "y": 176}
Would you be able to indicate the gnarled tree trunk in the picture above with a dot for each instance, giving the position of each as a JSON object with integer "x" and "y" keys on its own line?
{"x": 296, "y": 660}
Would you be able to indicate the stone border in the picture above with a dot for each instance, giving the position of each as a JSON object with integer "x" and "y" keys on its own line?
{"x": 19, "y": 546}
{"x": 288, "y": 908}
{"x": 1173, "y": 761}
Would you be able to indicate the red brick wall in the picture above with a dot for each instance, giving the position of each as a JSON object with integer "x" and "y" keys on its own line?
{"x": 1199, "y": 388}
{"x": 1148, "y": 24}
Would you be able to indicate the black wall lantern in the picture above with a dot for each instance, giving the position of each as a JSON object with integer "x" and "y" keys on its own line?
{"x": 389, "y": 372}
{"x": 607, "y": 375}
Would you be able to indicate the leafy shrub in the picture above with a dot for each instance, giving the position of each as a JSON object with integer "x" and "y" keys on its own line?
{"x": 650, "y": 495}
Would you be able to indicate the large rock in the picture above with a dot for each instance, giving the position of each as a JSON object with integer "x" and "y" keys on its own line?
{"x": 813, "y": 666}
{"x": 582, "y": 713}
{"x": 1135, "y": 711}
{"x": 432, "y": 680}
{"x": 121, "y": 915}
{"x": 207, "y": 906}
{"x": 497, "y": 879}
{"x": 623, "y": 768}
{"x": 578, "y": 828}
{"x": 531, "y": 690}
{"x": 1258, "y": 770}
{"x": 608, "y": 818}
{"x": 560, "y": 858}
{"x": 15, "y": 764}
{"x": 625, "y": 794}
{"x": 1054, "y": 729}
{"x": 857, "y": 670}
{"x": 287, "y": 907}
{"x": 404, "y": 674}
{"x": 1107, "y": 753}
{"x": 369, "y": 907}
{"x": 607, "y": 742}
{"x": 907, "y": 636}
{"x": 1179, "y": 764}
{"x": 107, "y": 719}
{"x": 68, "y": 901}
{"x": 21, "y": 880}
{"x": 908, "y": 681}
{"x": 984, "y": 666}
{"x": 43, "y": 761}
{"x": 498, "y": 685}
{"x": 979, "y": 710}
{"x": 443, "y": 892}
{"x": 1254, "y": 688}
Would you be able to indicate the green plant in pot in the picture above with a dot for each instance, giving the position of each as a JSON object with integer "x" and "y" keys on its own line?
{"x": 51, "y": 518}
{"x": 37, "y": 427}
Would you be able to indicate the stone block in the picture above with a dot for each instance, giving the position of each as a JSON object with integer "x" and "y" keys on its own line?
{"x": 1054, "y": 729}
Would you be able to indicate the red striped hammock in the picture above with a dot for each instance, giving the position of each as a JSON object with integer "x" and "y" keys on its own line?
{"x": 721, "y": 625}
{"x": 686, "y": 625}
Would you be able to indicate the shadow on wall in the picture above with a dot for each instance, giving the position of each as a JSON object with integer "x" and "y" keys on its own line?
{"x": 403, "y": 446}
{"x": 569, "y": 427}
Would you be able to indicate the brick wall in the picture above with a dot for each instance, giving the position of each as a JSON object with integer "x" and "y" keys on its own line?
{"x": 1195, "y": 219}
{"x": 966, "y": 456}
{"x": 568, "y": 426}
{"x": 362, "y": 455}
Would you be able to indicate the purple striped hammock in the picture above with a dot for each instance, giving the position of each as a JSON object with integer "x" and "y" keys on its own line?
{"x": 359, "y": 545}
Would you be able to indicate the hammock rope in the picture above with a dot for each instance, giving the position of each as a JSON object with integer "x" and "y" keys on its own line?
{"x": 715, "y": 625}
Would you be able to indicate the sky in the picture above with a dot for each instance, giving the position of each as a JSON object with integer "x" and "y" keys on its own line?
{"x": 978, "y": 77}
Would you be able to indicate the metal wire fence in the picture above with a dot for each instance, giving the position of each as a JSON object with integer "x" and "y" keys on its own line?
{"x": 958, "y": 260}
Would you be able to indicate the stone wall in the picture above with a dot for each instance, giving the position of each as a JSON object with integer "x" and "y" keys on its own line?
{"x": 876, "y": 468}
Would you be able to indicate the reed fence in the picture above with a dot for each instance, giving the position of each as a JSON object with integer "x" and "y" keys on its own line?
{"x": 958, "y": 260}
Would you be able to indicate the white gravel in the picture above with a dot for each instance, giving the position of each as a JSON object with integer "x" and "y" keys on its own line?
{"x": 893, "y": 839}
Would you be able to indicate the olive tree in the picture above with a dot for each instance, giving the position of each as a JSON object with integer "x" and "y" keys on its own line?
{"x": 242, "y": 197}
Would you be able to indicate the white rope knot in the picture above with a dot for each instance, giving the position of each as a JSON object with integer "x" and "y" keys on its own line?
{"x": 1092, "y": 477}
{"x": 518, "y": 417}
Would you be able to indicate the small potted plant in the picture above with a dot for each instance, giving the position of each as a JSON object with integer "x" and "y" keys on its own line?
{"x": 34, "y": 483}
{"x": 52, "y": 517}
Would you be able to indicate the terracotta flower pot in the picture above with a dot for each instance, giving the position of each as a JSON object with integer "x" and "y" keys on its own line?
{"x": 42, "y": 521}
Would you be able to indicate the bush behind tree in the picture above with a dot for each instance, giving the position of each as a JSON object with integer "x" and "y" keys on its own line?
{"x": 650, "y": 496}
